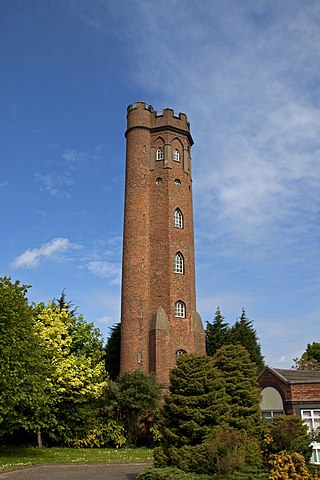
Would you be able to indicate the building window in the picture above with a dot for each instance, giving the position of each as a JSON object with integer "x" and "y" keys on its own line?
{"x": 180, "y": 352}
{"x": 315, "y": 457}
{"x": 178, "y": 263}
{"x": 180, "y": 310}
{"x": 176, "y": 155}
{"x": 177, "y": 181}
{"x": 160, "y": 153}
{"x": 177, "y": 218}
{"x": 159, "y": 181}
{"x": 270, "y": 414}
{"x": 311, "y": 418}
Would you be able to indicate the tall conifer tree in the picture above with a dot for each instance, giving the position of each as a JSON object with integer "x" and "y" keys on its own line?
{"x": 197, "y": 403}
{"x": 239, "y": 373}
{"x": 216, "y": 333}
{"x": 243, "y": 333}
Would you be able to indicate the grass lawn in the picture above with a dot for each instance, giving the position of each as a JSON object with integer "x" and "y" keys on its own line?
{"x": 13, "y": 458}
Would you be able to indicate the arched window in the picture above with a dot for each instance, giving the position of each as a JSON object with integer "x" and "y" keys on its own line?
{"x": 177, "y": 181}
{"x": 180, "y": 310}
{"x": 160, "y": 153}
{"x": 177, "y": 218}
{"x": 178, "y": 263}
{"x": 176, "y": 155}
{"x": 180, "y": 352}
{"x": 159, "y": 181}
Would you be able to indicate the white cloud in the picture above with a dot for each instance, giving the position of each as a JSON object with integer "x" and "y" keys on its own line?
{"x": 74, "y": 159}
{"x": 57, "y": 185}
{"x": 32, "y": 258}
{"x": 105, "y": 269}
{"x": 4, "y": 184}
{"x": 105, "y": 320}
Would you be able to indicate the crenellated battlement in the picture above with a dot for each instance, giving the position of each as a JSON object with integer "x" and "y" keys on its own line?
{"x": 142, "y": 115}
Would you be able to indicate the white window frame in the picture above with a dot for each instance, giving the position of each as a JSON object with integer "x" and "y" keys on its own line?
{"x": 180, "y": 309}
{"x": 177, "y": 218}
{"x": 178, "y": 263}
{"x": 160, "y": 153}
{"x": 176, "y": 155}
{"x": 311, "y": 418}
{"x": 315, "y": 457}
{"x": 270, "y": 414}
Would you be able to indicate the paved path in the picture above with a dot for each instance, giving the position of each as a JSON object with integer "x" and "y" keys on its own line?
{"x": 89, "y": 471}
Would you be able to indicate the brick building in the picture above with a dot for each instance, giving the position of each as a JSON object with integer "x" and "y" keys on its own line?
{"x": 292, "y": 392}
{"x": 158, "y": 309}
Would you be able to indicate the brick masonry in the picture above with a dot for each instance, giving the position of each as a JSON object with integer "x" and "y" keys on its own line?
{"x": 150, "y": 333}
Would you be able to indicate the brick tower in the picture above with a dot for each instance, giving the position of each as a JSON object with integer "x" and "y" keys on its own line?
{"x": 158, "y": 312}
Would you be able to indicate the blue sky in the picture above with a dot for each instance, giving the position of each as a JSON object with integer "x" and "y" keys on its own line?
{"x": 247, "y": 75}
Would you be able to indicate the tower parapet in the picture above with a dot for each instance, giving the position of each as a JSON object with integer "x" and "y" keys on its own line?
{"x": 140, "y": 114}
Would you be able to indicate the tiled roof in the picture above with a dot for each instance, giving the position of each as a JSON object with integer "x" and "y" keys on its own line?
{"x": 295, "y": 376}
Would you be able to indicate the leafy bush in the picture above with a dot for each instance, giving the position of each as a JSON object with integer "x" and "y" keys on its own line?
{"x": 173, "y": 473}
{"x": 288, "y": 466}
{"x": 170, "y": 473}
{"x": 109, "y": 434}
{"x": 229, "y": 450}
{"x": 287, "y": 433}
{"x": 223, "y": 452}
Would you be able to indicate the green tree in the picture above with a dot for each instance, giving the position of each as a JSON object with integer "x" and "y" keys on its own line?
{"x": 74, "y": 350}
{"x": 197, "y": 403}
{"x": 132, "y": 398}
{"x": 63, "y": 304}
{"x": 243, "y": 333}
{"x": 112, "y": 351}
{"x": 216, "y": 333}
{"x": 310, "y": 359}
{"x": 239, "y": 373}
{"x": 289, "y": 433}
{"x": 23, "y": 368}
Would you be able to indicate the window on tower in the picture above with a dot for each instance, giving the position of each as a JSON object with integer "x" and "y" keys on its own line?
{"x": 160, "y": 153}
{"x": 180, "y": 352}
{"x": 178, "y": 263}
{"x": 176, "y": 155}
{"x": 177, "y": 218}
{"x": 180, "y": 310}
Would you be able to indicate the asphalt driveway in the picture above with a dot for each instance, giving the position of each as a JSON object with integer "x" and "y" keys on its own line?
{"x": 90, "y": 471}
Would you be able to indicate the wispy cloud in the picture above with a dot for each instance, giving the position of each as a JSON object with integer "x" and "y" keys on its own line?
{"x": 4, "y": 184}
{"x": 105, "y": 269}
{"x": 104, "y": 259}
{"x": 60, "y": 182}
{"x": 57, "y": 185}
{"x": 74, "y": 159}
{"x": 50, "y": 250}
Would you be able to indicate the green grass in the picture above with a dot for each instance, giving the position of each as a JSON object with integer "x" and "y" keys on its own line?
{"x": 13, "y": 458}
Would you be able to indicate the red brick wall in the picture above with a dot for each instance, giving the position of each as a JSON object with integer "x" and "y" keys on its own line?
{"x": 305, "y": 391}
{"x": 151, "y": 241}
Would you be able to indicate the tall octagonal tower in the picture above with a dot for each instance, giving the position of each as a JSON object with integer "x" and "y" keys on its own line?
{"x": 158, "y": 312}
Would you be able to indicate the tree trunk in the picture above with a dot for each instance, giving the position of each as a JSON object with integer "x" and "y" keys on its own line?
{"x": 39, "y": 439}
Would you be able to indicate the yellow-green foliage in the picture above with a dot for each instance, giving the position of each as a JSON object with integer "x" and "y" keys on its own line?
{"x": 110, "y": 433}
{"x": 289, "y": 466}
{"x": 74, "y": 376}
